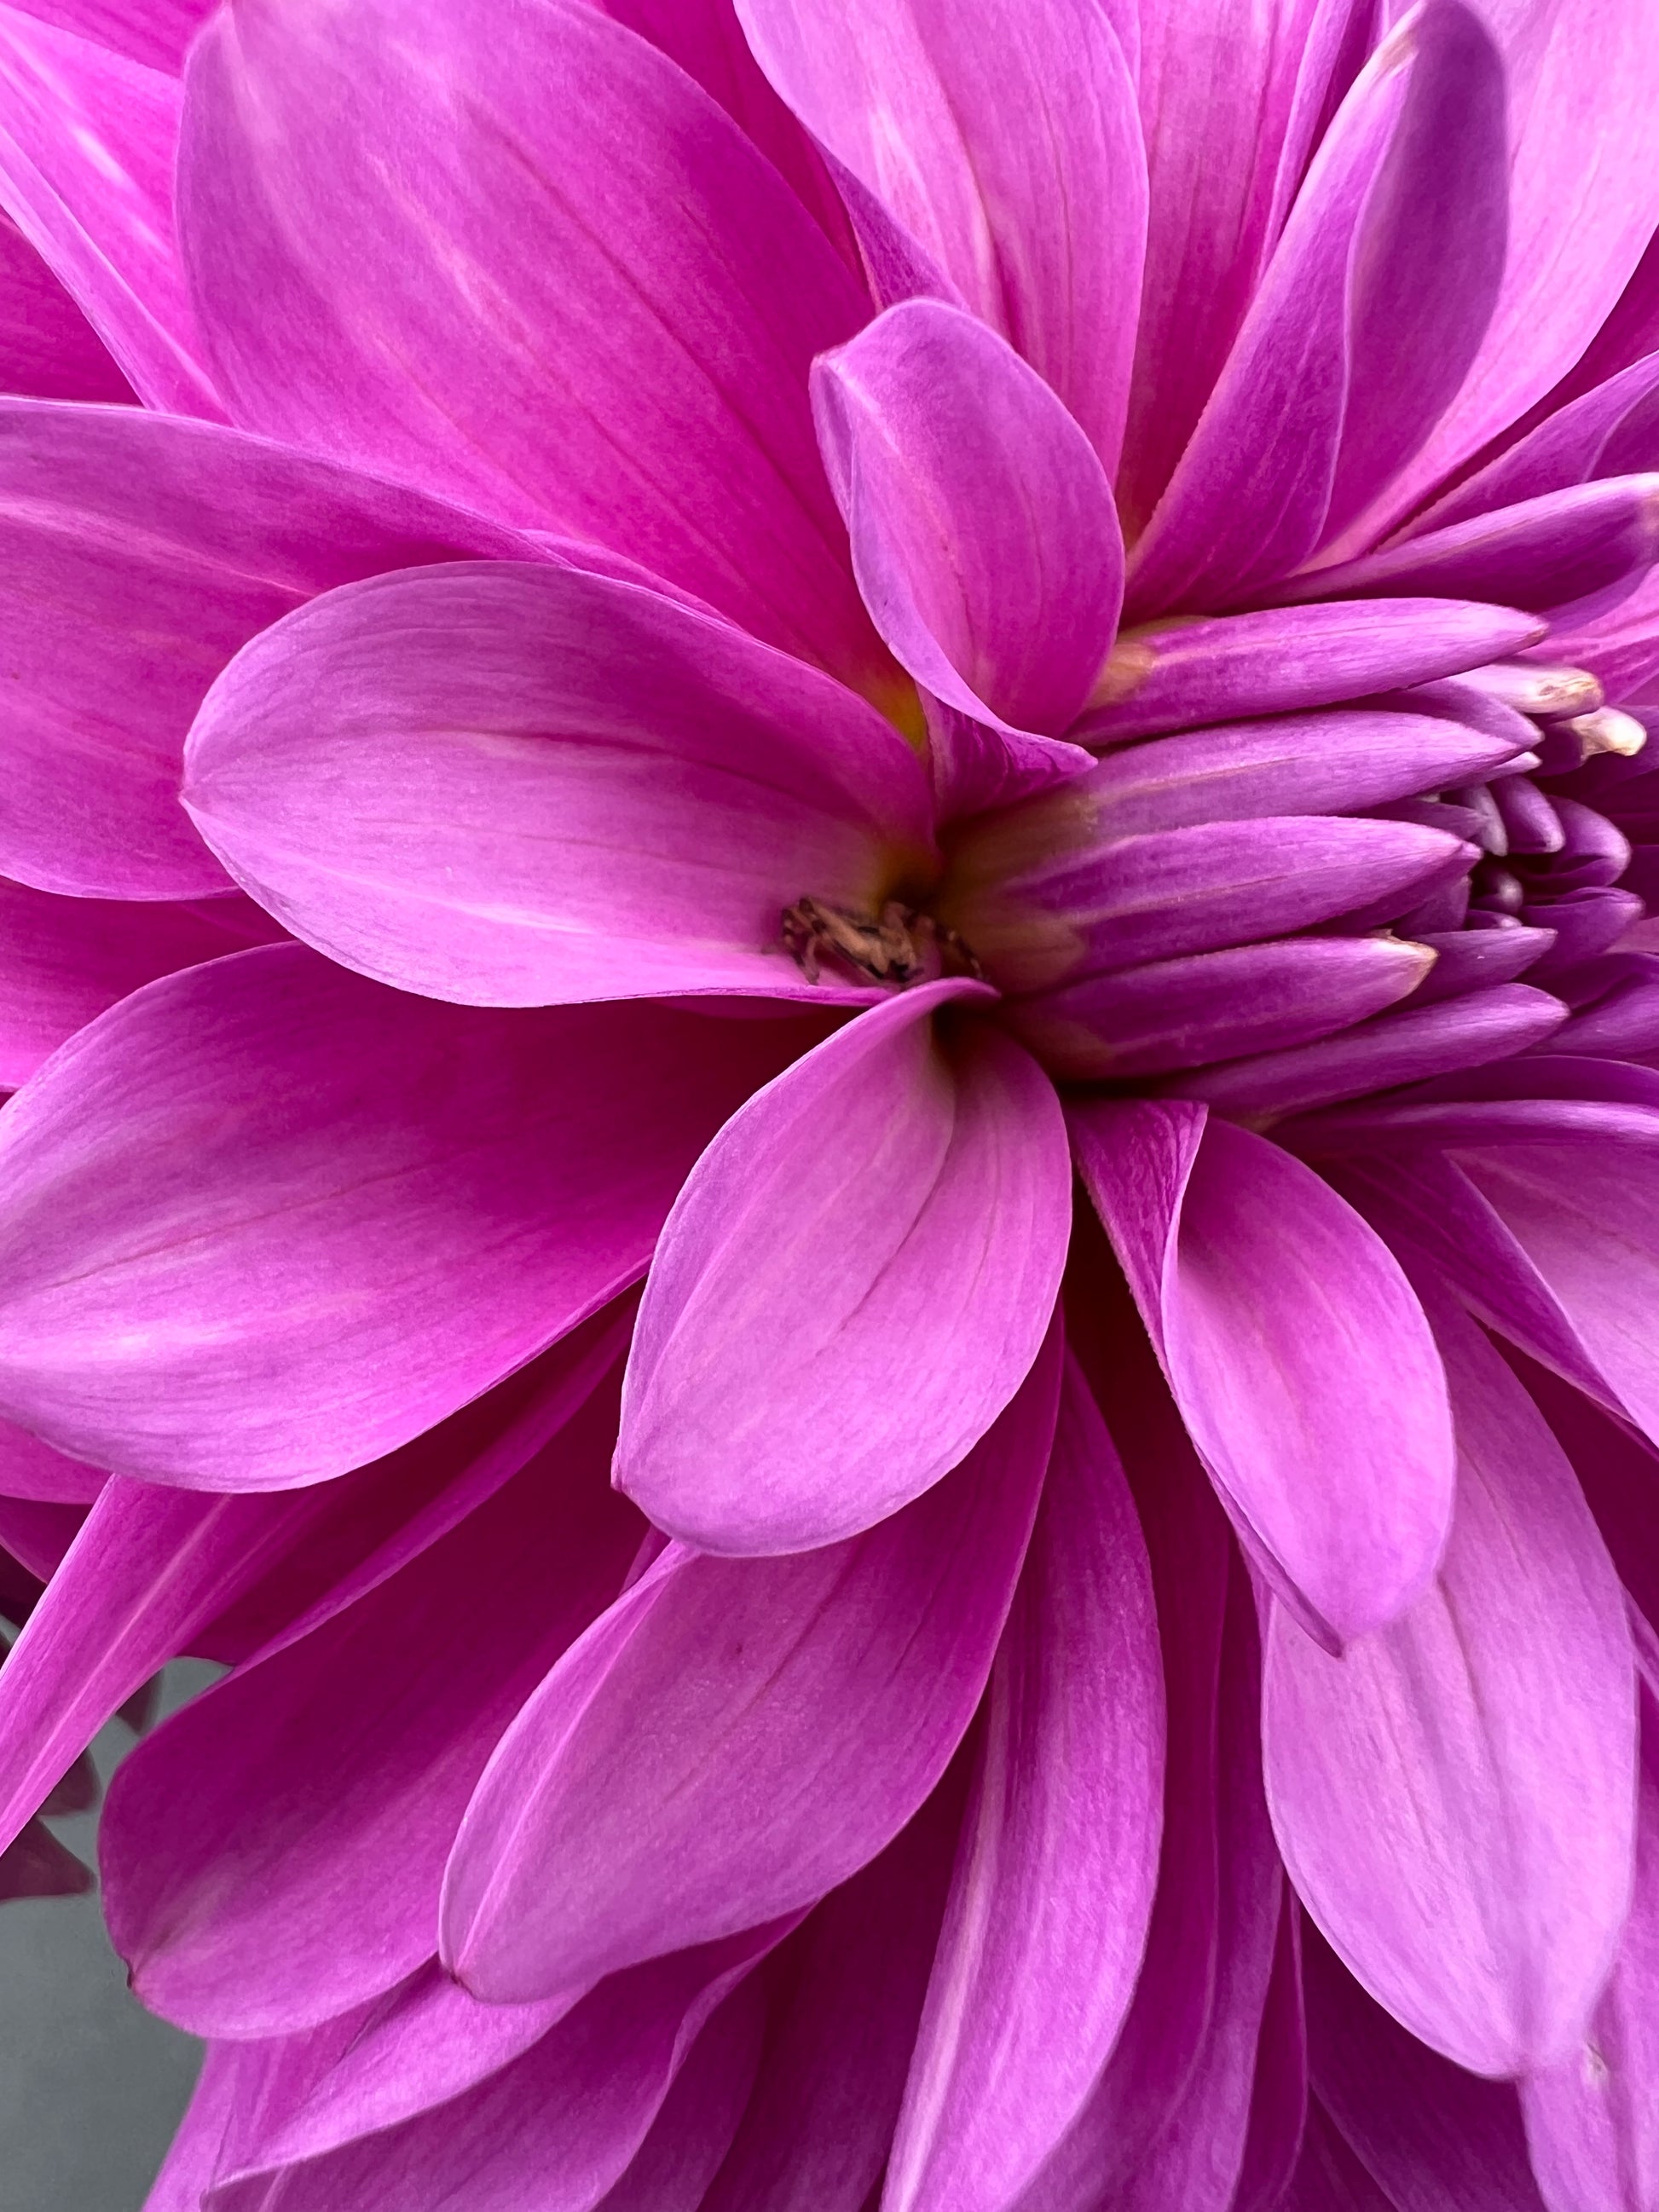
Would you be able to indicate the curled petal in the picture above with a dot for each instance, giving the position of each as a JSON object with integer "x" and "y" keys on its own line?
{"x": 853, "y": 1283}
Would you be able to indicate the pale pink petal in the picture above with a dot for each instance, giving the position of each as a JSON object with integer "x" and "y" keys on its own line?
{"x": 853, "y": 1283}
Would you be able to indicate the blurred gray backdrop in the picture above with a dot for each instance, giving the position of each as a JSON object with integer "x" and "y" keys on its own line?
{"x": 91, "y": 2086}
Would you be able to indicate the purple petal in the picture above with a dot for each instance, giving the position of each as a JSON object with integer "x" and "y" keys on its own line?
{"x": 972, "y": 132}
{"x": 1432, "y": 2135}
{"x": 1454, "y": 1797}
{"x": 154, "y": 32}
{"x": 984, "y": 537}
{"x": 29, "y": 1468}
{"x": 1279, "y": 2094}
{"x": 1328, "y": 2178}
{"x": 87, "y": 139}
{"x": 818, "y": 2126}
{"x": 332, "y": 1774}
{"x": 1360, "y": 330}
{"x": 137, "y": 552}
{"x": 47, "y": 345}
{"x": 462, "y": 1188}
{"x": 836, "y": 1683}
{"x": 1584, "y": 144}
{"x": 1052, "y": 1893}
{"x": 852, "y": 1285}
{"x": 700, "y": 2114}
{"x": 1300, "y": 1359}
{"x": 600, "y": 794}
{"x": 681, "y": 433}
{"x": 1565, "y": 554}
{"x": 1593, "y": 2122}
{"x": 1186, "y": 1014}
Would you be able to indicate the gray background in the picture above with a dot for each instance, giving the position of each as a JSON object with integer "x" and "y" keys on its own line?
{"x": 91, "y": 2086}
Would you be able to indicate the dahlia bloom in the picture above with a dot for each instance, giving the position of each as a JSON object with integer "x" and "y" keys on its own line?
{"x": 823, "y": 855}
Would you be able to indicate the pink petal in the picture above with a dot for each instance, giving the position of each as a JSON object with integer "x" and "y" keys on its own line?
{"x": 834, "y": 1683}
{"x": 1046, "y": 1926}
{"x": 156, "y": 32}
{"x": 693, "y": 2132}
{"x": 554, "y": 2129}
{"x": 1299, "y": 1356}
{"x": 852, "y": 1285}
{"x": 984, "y": 536}
{"x": 47, "y": 345}
{"x": 1454, "y": 1797}
{"x": 1584, "y": 202}
{"x": 1593, "y": 2121}
{"x": 1432, "y": 2135}
{"x": 137, "y": 552}
{"x": 1360, "y": 330}
{"x": 29, "y": 1468}
{"x": 601, "y": 794}
{"x": 156, "y": 1571}
{"x": 1279, "y": 2094}
{"x": 332, "y": 1775}
{"x": 650, "y": 268}
{"x": 65, "y": 960}
{"x": 87, "y": 139}
{"x": 203, "y": 1285}
{"x": 972, "y": 132}
{"x": 816, "y": 2132}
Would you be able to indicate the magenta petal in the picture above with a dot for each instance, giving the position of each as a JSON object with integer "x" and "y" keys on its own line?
{"x": 154, "y": 32}
{"x": 201, "y": 1286}
{"x": 1361, "y": 328}
{"x": 699, "y": 2117}
{"x": 1053, "y": 1892}
{"x": 651, "y": 269}
{"x": 1594, "y": 182}
{"x": 333, "y": 1773}
{"x": 87, "y": 139}
{"x": 1294, "y": 1345}
{"x": 984, "y": 536}
{"x": 601, "y": 794}
{"x": 555, "y": 2129}
{"x": 852, "y": 1285}
{"x": 1593, "y": 2122}
{"x": 1454, "y": 1795}
{"x": 836, "y": 1683}
{"x": 818, "y": 2129}
{"x": 137, "y": 552}
{"x": 47, "y": 347}
{"x": 973, "y": 131}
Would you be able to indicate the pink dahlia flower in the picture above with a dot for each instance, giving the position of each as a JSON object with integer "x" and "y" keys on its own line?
{"x": 822, "y": 856}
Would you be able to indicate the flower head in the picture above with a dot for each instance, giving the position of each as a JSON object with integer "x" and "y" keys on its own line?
{"x": 724, "y": 652}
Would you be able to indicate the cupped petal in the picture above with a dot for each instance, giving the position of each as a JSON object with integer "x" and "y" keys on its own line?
{"x": 1454, "y": 1795}
{"x": 733, "y": 1738}
{"x": 62, "y": 961}
{"x": 87, "y": 144}
{"x": 984, "y": 537}
{"x": 852, "y": 1285}
{"x": 1593, "y": 2122}
{"x": 1046, "y": 1926}
{"x": 265, "y": 1220}
{"x": 1583, "y": 87}
{"x": 842, "y": 2026}
{"x": 1433, "y": 2136}
{"x": 1299, "y": 1356}
{"x": 614, "y": 318}
{"x": 972, "y": 133}
{"x": 598, "y": 794}
{"x": 558, "y": 2126}
{"x": 156, "y": 1571}
{"x": 137, "y": 552}
{"x": 1365, "y": 320}
{"x": 332, "y": 1774}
